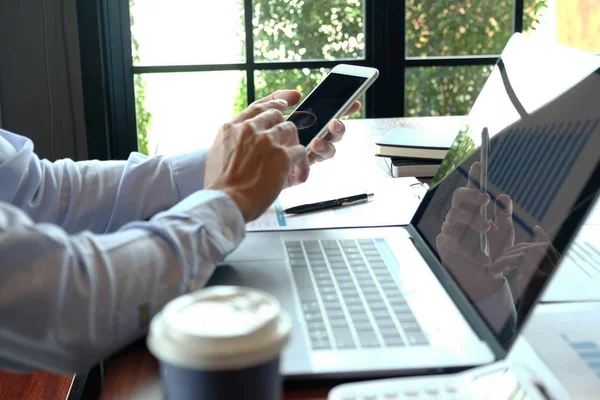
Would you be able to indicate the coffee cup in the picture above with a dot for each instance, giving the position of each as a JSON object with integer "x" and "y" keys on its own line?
{"x": 222, "y": 343}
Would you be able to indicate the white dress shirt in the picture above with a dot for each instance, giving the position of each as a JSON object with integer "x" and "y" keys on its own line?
{"x": 90, "y": 251}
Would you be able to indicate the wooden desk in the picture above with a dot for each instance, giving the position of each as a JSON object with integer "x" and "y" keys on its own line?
{"x": 133, "y": 373}
{"x": 41, "y": 385}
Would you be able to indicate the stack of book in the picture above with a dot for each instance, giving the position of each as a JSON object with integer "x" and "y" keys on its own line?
{"x": 415, "y": 152}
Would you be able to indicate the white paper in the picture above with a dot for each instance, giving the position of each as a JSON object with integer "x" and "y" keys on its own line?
{"x": 394, "y": 202}
{"x": 567, "y": 337}
{"x": 578, "y": 275}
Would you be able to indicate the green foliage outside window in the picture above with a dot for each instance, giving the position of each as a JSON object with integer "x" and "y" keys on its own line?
{"x": 294, "y": 30}
{"x": 455, "y": 28}
{"x": 461, "y": 149}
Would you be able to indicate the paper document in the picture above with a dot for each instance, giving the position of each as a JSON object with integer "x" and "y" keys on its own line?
{"x": 593, "y": 218}
{"x": 567, "y": 337}
{"x": 578, "y": 274}
{"x": 394, "y": 203}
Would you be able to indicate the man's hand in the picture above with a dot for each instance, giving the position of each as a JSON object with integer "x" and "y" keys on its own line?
{"x": 322, "y": 149}
{"x": 537, "y": 260}
{"x": 459, "y": 240}
{"x": 253, "y": 155}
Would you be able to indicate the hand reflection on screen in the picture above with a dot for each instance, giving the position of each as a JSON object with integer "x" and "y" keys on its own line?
{"x": 459, "y": 240}
{"x": 513, "y": 274}
{"x": 532, "y": 264}
{"x": 303, "y": 119}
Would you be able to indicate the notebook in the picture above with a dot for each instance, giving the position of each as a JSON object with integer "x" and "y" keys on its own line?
{"x": 417, "y": 167}
{"x": 411, "y": 142}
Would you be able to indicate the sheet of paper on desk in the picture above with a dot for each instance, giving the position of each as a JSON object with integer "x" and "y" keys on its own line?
{"x": 593, "y": 218}
{"x": 578, "y": 274}
{"x": 394, "y": 203}
{"x": 567, "y": 337}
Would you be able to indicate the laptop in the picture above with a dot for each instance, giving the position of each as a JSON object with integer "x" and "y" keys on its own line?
{"x": 439, "y": 295}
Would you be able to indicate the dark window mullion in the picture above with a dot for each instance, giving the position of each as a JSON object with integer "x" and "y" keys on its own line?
{"x": 156, "y": 69}
{"x": 388, "y": 52}
{"x": 249, "y": 51}
{"x": 518, "y": 15}
{"x": 450, "y": 61}
{"x": 268, "y": 65}
{"x": 311, "y": 64}
{"x": 369, "y": 31}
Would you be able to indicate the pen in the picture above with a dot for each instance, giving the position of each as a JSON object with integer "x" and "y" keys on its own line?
{"x": 323, "y": 205}
{"x": 483, "y": 186}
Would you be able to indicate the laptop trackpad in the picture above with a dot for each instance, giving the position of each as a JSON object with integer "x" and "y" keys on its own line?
{"x": 258, "y": 246}
{"x": 273, "y": 278}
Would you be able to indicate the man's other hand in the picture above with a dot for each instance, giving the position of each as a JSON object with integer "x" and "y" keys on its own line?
{"x": 321, "y": 149}
{"x": 254, "y": 154}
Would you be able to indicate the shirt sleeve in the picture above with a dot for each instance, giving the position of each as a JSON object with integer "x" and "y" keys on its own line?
{"x": 69, "y": 301}
{"x": 99, "y": 196}
{"x": 500, "y": 312}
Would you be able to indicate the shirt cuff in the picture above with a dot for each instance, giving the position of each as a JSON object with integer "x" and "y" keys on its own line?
{"x": 219, "y": 213}
{"x": 188, "y": 172}
{"x": 499, "y": 308}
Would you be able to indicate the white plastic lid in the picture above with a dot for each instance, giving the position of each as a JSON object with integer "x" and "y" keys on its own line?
{"x": 221, "y": 327}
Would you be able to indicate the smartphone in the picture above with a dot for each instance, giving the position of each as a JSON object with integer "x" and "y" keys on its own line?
{"x": 330, "y": 100}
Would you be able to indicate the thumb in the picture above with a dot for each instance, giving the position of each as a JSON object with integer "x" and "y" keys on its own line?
{"x": 503, "y": 211}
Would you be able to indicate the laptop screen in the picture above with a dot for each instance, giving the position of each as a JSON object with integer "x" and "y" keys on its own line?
{"x": 517, "y": 181}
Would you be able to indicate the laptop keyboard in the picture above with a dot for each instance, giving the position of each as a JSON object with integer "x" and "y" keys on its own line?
{"x": 349, "y": 298}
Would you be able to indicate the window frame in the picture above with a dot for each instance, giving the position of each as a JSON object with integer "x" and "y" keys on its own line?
{"x": 108, "y": 71}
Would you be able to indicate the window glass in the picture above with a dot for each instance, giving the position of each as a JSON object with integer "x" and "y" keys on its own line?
{"x": 303, "y": 30}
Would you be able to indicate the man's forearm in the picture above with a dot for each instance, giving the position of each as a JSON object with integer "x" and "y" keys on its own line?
{"x": 66, "y": 302}
{"x": 100, "y": 196}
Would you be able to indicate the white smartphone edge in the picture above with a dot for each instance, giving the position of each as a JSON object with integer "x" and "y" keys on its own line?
{"x": 344, "y": 69}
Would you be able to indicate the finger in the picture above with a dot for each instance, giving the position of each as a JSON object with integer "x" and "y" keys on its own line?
{"x": 536, "y": 255}
{"x": 354, "y": 109}
{"x": 463, "y": 215}
{"x": 298, "y": 157}
{"x": 452, "y": 245}
{"x": 336, "y": 130}
{"x": 451, "y": 229}
{"x": 284, "y": 134}
{"x": 469, "y": 197}
{"x": 266, "y": 120}
{"x": 458, "y": 231}
{"x": 539, "y": 235}
{"x": 292, "y": 97}
{"x": 507, "y": 261}
{"x": 300, "y": 174}
{"x": 503, "y": 211}
{"x": 474, "y": 172}
{"x": 520, "y": 248}
{"x": 258, "y": 108}
{"x": 534, "y": 251}
{"x": 322, "y": 150}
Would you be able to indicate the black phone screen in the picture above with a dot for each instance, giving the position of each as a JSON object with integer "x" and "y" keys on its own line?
{"x": 323, "y": 103}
